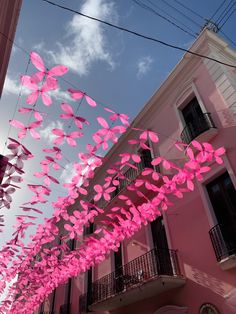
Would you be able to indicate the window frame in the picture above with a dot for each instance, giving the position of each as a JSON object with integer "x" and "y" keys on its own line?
{"x": 188, "y": 93}
{"x": 213, "y": 174}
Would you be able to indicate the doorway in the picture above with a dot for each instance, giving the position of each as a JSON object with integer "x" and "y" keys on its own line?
{"x": 161, "y": 250}
{"x": 119, "y": 282}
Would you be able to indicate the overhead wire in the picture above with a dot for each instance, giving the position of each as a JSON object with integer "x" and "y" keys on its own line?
{"x": 181, "y": 13}
{"x": 225, "y": 11}
{"x": 189, "y": 9}
{"x": 217, "y": 10}
{"x": 62, "y": 78}
{"x": 139, "y": 34}
{"x": 146, "y": 7}
{"x": 232, "y": 12}
{"x": 123, "y": 29}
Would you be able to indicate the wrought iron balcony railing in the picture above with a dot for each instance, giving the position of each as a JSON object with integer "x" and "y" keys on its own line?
{"x": 223, "y": 241}
{"x": 200, "y": 124}
{"x": 130, "y": 175}
{"x": 142, "y": 269}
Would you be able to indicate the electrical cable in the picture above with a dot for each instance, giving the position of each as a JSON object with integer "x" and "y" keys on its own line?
{"x": 139, "y": 35}
{"x": 189, "y": 9}
{"x": 181, "y": 13}
{"x": 217, "y": 10}
{"x": 226, "y": 11}
{"x": 144, "y": 6}
{"x": 232, "y": 12}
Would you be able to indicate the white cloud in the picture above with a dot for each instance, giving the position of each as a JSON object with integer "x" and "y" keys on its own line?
{"x": 60, "y": 95}
{"x": 47, "y": 134}
{"x": 68, "y": 173}
{"x": 13, "y": 87}
{"x": 144, "y": 65}
{"x": 40, "y": 46}
{"x": 88, "y": 41}
{"x": 18, "y": 43}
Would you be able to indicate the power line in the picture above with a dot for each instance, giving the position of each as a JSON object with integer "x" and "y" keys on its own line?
{"x": 217, "y": 10}
{"x": 232, "y": 12}
{"x": 181, "y": 13}
{"x": 125, "y": 30}
{"x": 226, "y": 11}
{"x": 190, "y": 10}
{"x": 139, "y": 34}
{"x": 146, "y": 7}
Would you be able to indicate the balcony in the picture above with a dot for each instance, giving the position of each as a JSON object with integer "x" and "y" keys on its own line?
{"x": 130, "y": 175}
{"x": 224, "y": 243}
{"x": 200, "y": 126}
{"x": 148, "y": 275}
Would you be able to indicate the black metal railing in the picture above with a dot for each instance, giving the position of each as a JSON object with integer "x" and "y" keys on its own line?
{"x": 223, "y": 240}
{"x": 200, "y": 124}
{"x": 130, "y": 175}
{"x": 142, "y": 269}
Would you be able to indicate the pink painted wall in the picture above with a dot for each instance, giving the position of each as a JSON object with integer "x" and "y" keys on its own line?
{"x": 103, "y": 268}
{"x": 59, "y": 298}
{"x": 76, "y": 291}
{"x": 136, "y": 246}
{"x": 188, "y": 224}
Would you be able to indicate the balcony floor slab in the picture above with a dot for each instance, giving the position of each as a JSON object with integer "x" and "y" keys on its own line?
{"x": 140, "y": 292}
{"x": 228, "y": 262}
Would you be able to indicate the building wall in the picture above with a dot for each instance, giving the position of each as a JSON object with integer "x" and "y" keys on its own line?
{"x": 9, "y": 13}
{"x": 189, "y": 220}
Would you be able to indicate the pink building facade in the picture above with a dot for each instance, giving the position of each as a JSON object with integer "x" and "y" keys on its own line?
{"x": 9, "y": 14}
{"x": 185, "y": 260}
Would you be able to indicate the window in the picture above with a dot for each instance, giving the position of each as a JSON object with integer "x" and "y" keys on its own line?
{"x": 71, "y": 244}
{"x": 196, "y": 122}
{"x": 119, "y": 284}
{"x": 88, "y": 229}
{"x": 222, "y": 195}
{"x": 161, "y": 249}
{"x": 146, "y": 158}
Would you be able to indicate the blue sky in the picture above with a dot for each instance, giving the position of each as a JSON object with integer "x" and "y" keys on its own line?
{"x": 115, "y": 68}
